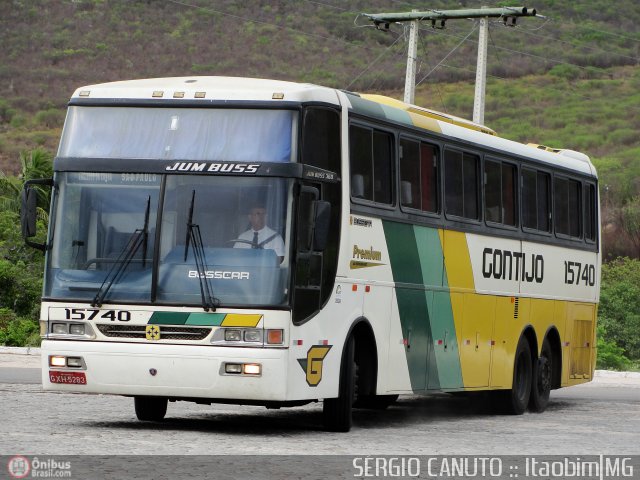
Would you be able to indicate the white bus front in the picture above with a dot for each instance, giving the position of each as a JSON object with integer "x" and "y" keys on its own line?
{"x": 156, "y": 285}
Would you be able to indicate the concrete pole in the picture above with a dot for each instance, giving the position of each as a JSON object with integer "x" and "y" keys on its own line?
{"x": 412, "y": 54}
{"x": 481, "y": 72}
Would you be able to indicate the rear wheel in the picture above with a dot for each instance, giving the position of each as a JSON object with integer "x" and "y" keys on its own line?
{"x": 515, "y": 401}
{"x": 336, "y": 412}
{"x": 151, "y": 409}
{"x": 542, "y": 377}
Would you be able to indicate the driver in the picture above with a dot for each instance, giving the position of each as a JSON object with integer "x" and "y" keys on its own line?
{"x": 259, "y": 235}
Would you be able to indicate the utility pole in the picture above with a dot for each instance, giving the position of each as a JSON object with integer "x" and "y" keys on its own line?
{"x": 412, "y": 56}
{"x": 438, "y": 19}
{"x": 481, "y": 71}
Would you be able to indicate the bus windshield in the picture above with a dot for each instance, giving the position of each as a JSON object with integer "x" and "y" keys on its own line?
{"x": 116, "y": 239}
{"x": 232, "y": 135}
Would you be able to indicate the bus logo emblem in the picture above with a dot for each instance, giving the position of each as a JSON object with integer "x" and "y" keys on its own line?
{"x": 312, "y": 365}
{"x": 152, "y": 332}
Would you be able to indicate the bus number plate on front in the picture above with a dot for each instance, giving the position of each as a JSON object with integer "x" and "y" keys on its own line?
{"x": 74, "y": 378}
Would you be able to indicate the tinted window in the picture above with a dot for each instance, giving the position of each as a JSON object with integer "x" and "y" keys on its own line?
{"x": 419, "y": 175}
{"x": 535, "y": 200}
{"x": 567, "y": 206}
{"x": 461, "y": 184}
{"x": 361, "y": 168}
{"x": 382, "y": 165}
{"x": 321, "y": 139}
{"x": 371, "y": 164}
{"x": 590, "y": 221}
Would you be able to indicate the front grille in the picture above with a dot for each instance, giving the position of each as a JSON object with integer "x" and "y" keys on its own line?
{"x": 167, "y": 332}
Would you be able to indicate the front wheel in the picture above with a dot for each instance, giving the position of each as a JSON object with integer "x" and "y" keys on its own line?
{"x": 542, "y": 375}
{"x": 337, "y": 412}
{"x": 150, "y": 409}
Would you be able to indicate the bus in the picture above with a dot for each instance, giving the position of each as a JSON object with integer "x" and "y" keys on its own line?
{"x": 407, "y": 251}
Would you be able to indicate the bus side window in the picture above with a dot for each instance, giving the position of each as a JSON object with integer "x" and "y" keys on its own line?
{"x": 361, "y": 171}
{"x": 371, "y": 164}
{"x": 499, "y": 192}
{"x": 590, "y": 213}
{"x": 419, "y": 175}
{"x": 567, "y": 209}
{"x": 461, "y": 184}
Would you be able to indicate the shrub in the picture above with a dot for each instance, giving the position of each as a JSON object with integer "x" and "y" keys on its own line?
{"x": 18, "y": 331}
{"x": 610, "y": 355}
{"x": 619, "y": 309}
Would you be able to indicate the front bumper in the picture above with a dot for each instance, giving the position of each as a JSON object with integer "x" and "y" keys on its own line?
{"x": 180, "y": 371}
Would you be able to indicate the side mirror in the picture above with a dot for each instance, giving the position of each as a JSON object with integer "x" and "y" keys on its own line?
{"x": 29, "y": 211}
{"x": 322, "y": 216}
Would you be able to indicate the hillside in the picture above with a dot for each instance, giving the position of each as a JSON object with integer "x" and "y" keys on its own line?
{"x": 570, "y": 80}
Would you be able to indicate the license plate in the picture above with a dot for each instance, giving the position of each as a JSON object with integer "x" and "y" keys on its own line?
{"x": 74, "y": 378}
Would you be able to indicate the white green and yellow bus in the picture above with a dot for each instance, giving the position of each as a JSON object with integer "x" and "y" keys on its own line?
{"x": 408, "y": 251}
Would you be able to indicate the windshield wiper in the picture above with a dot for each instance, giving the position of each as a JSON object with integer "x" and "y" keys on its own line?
{"x": 209, "y": 302}
{"x": 138, "y": 238}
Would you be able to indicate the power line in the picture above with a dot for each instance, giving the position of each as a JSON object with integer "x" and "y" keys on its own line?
{"x": 373, "y": 62}
{"x": 578, "y": 45}
{"x": 329, "y": 5}
{"x": 446, "y": 56}
{"x": 527, "y": 54}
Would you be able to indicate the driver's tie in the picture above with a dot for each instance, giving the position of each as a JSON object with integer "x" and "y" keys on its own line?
{"x": 254, "y": 243}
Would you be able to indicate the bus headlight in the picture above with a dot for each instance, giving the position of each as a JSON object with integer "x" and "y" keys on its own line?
{"x": 233, "y": 335}
{"x": 60, "y": 328}
{"x": 248, "y": 337}
{"x": 253, "y": 335}
{"x": 76, "y": 329}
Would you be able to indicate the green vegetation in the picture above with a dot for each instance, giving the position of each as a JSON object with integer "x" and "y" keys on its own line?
{"x": 21, "y": 267}
{"x": 619, "y": 313}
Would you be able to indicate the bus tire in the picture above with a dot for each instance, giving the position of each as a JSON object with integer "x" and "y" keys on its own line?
{"x": 542, "y": 378}
{"x": 337, "y": 412}
{"x": 516, "y": 400}
{"x": 150, "y": 409}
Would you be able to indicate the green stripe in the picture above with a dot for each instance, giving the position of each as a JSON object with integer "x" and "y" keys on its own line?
{"x": 397, "y": 115}
{"x": 182, "y": 318}
{"x": 425, "y": 310}
{"x": 412, "y": 302}
{"x": 168, "y": 318}
{"x": 209, "y": 319}
{"x": 448, "y": 373}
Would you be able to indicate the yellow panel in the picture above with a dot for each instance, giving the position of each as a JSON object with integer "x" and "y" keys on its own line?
{"x": 425, "y": 122}
{"x": 560, "y": 318}
{"x": 457, "y": 260}
{"x": 578, "y": 341}
{"x": 475, "y": 340}
{"x": 542, "y": 318}
{"x": 457, "y": 309}
{"x": 241, "y": 320}
{"x": 505, "y": 334}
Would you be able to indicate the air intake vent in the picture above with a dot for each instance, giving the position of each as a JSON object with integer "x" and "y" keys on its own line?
{"x": 167, "y": 332}
{"x": 516, "y": 304}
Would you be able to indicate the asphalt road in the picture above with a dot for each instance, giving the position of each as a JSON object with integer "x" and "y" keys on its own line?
{"x": 602, "y": 417}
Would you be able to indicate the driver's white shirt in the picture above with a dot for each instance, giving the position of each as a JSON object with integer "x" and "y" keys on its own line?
{"x": 276, "y": 243}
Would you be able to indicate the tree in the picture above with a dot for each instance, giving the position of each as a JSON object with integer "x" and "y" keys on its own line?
{"x": 34, "y": 164}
